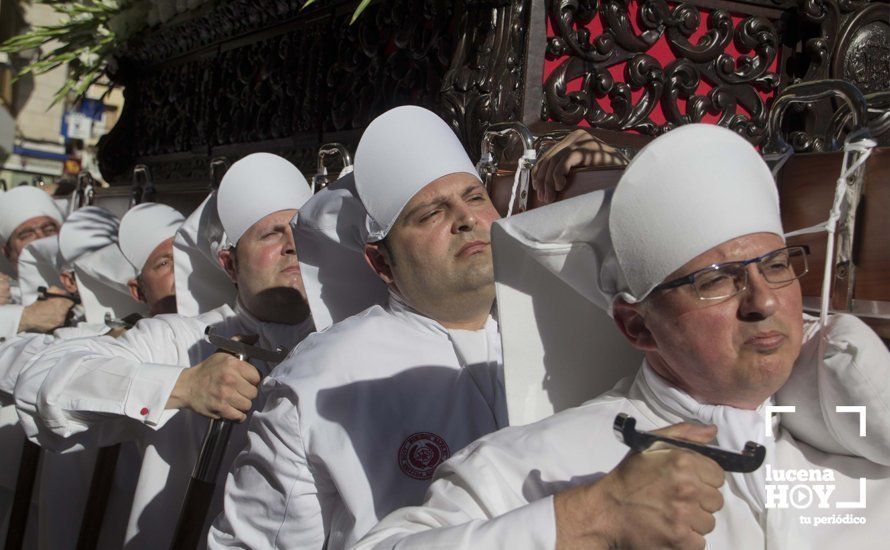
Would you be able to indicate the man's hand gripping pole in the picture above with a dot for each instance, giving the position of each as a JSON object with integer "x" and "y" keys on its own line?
{"x": 202, "y": 485}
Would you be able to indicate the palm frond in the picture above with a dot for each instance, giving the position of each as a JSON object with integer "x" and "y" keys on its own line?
{"x": 358, "y": 10}
{"x": 83, "y": 41}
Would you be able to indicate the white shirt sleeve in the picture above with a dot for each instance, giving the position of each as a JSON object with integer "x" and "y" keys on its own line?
{"x": 100, "y": 391}
{"x": 15, "y": 353}
{"x": 271, "y": 496}
{"x": 467, "y": 507}
{"x": 10, "y": 317}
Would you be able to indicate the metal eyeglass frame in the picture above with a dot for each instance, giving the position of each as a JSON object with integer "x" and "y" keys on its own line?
{"x": 690, "y": 279}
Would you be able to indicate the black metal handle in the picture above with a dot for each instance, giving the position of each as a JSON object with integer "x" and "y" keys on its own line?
{"x": 44, "y": 294}
{"x": 190, "y": 528}
{"x": 808, "y": 92}
{"x": 748, "y": 460}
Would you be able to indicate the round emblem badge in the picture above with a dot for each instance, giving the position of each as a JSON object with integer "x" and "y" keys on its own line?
{"x": 421, "y": 453}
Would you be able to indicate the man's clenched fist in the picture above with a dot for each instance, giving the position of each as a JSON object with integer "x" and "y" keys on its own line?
{"x": 221, "y": 386}
{"x": 46, "y": 315}
{"x": 664, "y": 497}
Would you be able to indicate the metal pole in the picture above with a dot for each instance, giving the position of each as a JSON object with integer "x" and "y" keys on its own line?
{"x": 24, "y": 488}
{"x": 97, "y": 499}
{"x": 202, "y": 485}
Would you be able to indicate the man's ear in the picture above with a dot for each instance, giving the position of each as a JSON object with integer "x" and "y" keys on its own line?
{"x": 226, "y": 259}
{"x": 136, "y": 291}
{"x": 378, "y": 258}
{"x": 631, "y": 322}
{"x": 6, "y": 251}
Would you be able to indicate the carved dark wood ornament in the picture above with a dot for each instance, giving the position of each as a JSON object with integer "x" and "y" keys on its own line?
{"x": 237, "y": 76}
{"x": 484, "y": 84}
{"x": 604, "y": 102}
{"x": 846, "y": 39}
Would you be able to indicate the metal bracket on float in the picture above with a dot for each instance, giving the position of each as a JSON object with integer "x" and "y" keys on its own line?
{"x": 487, "y": 165}
{"x": 748, "y": 460}
{"x": 327, "y": 151}
{"x": 809, "y": 92}
{"x": 84, "y": 192}
{"x": 141, "y": 179}
{"x": 218, "y": 168}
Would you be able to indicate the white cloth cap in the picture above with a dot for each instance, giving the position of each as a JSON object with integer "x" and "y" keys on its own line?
{"x": 330, "y": 234}
{"x": 256, "y": 186}
{"x": 201, "y": 284}
{"x": 22, "y": 203}
{"x": 88, "y": 244}
{"x": 87, "y": 230}
{"x": 39, "y": 265}
{"x": 144, "y": 227}
{"x": 402, "y": 151}
{"x": 559, "y": 350}
{"x": 684, "y": 193}
{"x": 102, "y": 277}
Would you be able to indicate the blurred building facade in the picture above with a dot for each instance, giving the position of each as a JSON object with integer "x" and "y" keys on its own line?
{"x": 39, "y": 142}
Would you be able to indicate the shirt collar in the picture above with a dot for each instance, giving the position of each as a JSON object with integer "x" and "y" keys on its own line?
{"x": 400, "y": 308}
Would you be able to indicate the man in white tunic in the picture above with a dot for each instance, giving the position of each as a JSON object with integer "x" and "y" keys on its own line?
{"x": 146, "y": 240}
{"x": 361, "y": 414}
{"x": 694, "y": 268}
{"x": 27, "y": 214}
{"x": 100, "y": 391}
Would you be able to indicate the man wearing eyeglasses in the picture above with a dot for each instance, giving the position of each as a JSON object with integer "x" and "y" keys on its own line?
{"x": 27, "y": 214}
{"x": 693, "y": 267}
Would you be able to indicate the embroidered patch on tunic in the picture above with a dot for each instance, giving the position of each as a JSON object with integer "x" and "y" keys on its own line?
{"x": 421, "y": 453}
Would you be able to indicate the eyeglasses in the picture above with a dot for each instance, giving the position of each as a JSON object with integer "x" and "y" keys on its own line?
{"x": 30, "y": 233}
{"x": 721, "y": 281}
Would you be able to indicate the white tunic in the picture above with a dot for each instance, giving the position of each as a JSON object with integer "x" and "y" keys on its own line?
{"x": 497, "y": 493}
{"x": 355, "y": 422}
{"x": 11, "y": 435}
{"x": 99, "y": 391}
{"x": 69, "y": 475}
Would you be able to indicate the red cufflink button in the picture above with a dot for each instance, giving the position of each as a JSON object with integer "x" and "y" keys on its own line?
{"x": 144, "y": 411}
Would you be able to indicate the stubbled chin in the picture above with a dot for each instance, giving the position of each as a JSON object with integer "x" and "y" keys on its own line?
{"x": 289, "y": 279}
{"x": 771, "y": 369}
